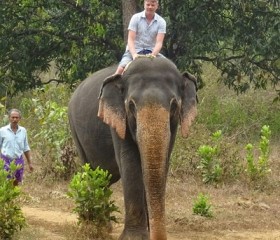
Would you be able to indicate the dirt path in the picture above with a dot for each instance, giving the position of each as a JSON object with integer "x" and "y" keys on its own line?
{"x": 240, "y": 213}
{"x": 49, "y": 216}
{"x": 46, "y": 217}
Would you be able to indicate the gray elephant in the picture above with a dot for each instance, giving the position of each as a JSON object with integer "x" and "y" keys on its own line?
{"x": 130, "y": 130}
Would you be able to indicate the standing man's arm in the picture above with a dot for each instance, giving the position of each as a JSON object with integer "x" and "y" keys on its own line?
{"x": 26, "y": 152}
{"x": 28, "y": 158}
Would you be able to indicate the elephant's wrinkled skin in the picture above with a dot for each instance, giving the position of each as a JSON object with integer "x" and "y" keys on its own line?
{"x": 130, "y": 131}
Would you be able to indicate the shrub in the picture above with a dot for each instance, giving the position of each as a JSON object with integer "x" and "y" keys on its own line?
{"x": 52, "y": 135}
{"x": 11, "y": 216}
{"x": 89, "y": 189}
{"x": 210, "y": 164}
{"x": 3, "y": 115}
{"x": 202, "y": 206}
{"x": 258, "y": 169}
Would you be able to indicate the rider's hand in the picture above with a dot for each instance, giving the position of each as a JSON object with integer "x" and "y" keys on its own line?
{"x": 135, "y": 56}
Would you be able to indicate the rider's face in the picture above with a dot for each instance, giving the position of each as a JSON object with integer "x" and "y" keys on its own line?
{"x": 150, "y": 6}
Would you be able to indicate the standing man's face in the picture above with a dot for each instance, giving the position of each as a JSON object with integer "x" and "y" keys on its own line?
{"x": 14, "y": 118}
{"x": 150, "y": 6}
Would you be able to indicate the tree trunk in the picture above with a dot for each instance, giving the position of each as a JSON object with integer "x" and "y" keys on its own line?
{"x": 128, "y": 9}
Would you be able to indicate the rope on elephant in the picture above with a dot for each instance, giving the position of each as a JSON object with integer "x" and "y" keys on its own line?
{"x": 145, "y": 56}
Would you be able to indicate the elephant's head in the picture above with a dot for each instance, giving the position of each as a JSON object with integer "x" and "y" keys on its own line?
{"x": 148, "y": 102}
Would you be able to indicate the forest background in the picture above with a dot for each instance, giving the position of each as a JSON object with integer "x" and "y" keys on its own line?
{"x": 240, "y": 38}
{"x": 48, "y": 47}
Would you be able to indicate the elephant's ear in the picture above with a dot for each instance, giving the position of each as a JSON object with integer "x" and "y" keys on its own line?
{"x": 111, "y": 104}
{"x": 189, "y": 102}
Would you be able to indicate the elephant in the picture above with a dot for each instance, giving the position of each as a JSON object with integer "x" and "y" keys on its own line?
{"x": 127, "y": 124}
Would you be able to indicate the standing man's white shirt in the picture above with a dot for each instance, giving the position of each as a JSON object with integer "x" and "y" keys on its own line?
{"x": 13, "y": 145}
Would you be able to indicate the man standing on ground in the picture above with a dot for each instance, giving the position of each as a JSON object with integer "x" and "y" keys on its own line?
{"x": 14, "y": 144}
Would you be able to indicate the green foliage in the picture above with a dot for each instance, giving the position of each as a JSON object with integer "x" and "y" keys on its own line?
{"x": 210, "y": 165}
{"x": 77, "y": 37}
{"x": 52, "y": 137}
{"x": 89, "y": 189}
{"x": 183, "y": 156}
{"x": 227, "y": 114}
{"x": 241, "y": 38}
{"x": 202, "y": 206}
{"x": 272, "y": 118}
{"x": 259, "y": 169}
{"x": 11, "y": 216}
{"x": 240, "y": 116}
{"x": 3, "y": 115}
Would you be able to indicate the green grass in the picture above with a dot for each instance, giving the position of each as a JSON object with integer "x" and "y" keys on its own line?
{"x": 239, "y": 117}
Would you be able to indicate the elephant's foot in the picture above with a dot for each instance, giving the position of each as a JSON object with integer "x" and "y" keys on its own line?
{"x": 134, "y": 235}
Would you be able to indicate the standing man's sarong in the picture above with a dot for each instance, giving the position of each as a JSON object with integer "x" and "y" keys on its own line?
{"x": 18, "y": 175}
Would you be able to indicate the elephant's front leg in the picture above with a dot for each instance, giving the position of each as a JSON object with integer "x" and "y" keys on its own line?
{"x": 136, "y": 226}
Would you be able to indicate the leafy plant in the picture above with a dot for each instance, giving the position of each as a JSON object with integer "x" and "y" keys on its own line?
{"x": 258, "y": 169}
{"x": 11, "y": 216}
{"x": 233, "y": 35}
{"x": 4, "y": 117}
{"x": 53, "y": 136}
{"x": 89, "y": 189}
{"x": 74, "y": 58}
{"x": 202, "y": 206}
{"x": 210, "y": 164}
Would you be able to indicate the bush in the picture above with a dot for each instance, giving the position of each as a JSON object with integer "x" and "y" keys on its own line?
{"x": 52, "y": 136}
{"x": 259, "y": 169}
{"x": 202, "y": 206}
{"x": 3, "y": 116}
{"x": 89, "y": 189}
{"x": 11, "y": 216}
{"x": 210, "y": 164}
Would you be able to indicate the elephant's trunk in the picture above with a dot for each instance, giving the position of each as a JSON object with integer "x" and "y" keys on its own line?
{"x": 153, "y": 136}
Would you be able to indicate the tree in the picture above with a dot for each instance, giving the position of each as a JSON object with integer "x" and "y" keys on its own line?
{"x": 128, "y": 8}
{"x": 241, "y": 38}
{"x": 79, "y": 37}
